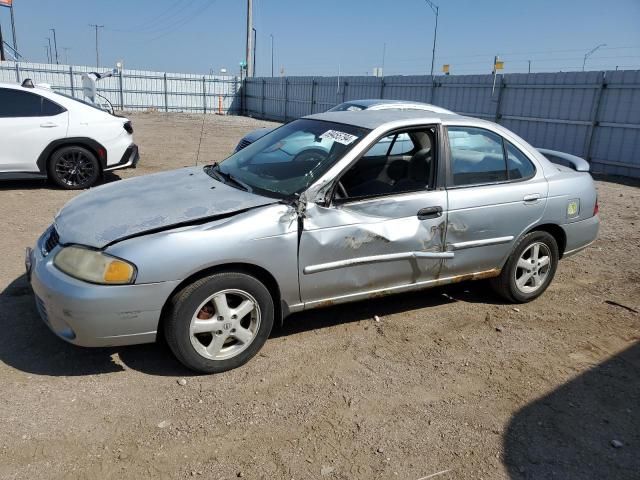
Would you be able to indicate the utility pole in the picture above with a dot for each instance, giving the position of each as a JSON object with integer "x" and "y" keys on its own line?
{"x": 384, "y": 52}
{"x": 50, "y": 50}
{"x": 97, "y": 50}
{"x": 55, "y": 43}
{"x": 255, "y": 42}
{"x": 249, "y": 52}
{"x": 2, "y": 59}
{"x": 46, "y": 48}
{"x": 529, "y": 66}
{"x": 13, "y": 30}
{"x": 436, "y": 10}
{"x": 271, "y": 54}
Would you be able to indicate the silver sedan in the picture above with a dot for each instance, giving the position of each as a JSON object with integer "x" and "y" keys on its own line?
{"x": 330, "y": 208}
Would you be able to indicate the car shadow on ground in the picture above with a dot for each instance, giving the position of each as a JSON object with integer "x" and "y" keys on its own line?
{"x": 31, "y": 347}
{"x": 43, "y": 184}
{"x": 572, "y": 432}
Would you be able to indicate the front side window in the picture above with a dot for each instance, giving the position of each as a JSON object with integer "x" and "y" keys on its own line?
{"x": 288, "y": 160}
{"x": 17, "y": 103}
{"x": 398, "y": 163}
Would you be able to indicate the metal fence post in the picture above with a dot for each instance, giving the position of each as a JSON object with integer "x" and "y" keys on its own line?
{"x": 501, "y": 88}
{"x": 262, "y": 99}
{"x": 286, "y": 97}
{"x": 204, "y": 94}
{"x": 166, "y": 96}
{"x": 120, "y": 91}
{"x": 17, "y": 73}
{"x": 313, "y": 94}
{"x": 73, "y": 93}
{"x": 594, "y": 117}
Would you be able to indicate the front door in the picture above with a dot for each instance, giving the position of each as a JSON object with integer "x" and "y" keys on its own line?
{"x": 28, "y": 123}
{"x": 382, "y": 232}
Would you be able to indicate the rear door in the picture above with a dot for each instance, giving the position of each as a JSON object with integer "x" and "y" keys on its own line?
{"x": 495, "y": 193}
{"x": 28, "y": 123}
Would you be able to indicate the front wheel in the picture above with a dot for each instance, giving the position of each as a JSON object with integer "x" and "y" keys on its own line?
{"x": 219, "y": 322}
{"x": 530, "y": 268}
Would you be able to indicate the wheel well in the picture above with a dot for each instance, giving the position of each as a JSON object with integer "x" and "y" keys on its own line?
{"x": 94, "y": 147}
{"x": 556, "y": 232}
{"x": 258, "y": 272}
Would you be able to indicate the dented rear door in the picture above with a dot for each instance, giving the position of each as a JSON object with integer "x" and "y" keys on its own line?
{"x": 370, "y": 247}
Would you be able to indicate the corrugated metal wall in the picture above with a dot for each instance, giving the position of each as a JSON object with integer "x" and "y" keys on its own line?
{"x": 136, "y": 89}
{"x": 595, "y": 115}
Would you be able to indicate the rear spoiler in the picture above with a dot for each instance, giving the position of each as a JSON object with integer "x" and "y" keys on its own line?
{"x": 566, "y": 159}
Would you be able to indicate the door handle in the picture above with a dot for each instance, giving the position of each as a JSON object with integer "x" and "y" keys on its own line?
{"x": 48, "y": 125}
{"x": 532, "y": 197}
{"x": 429, "y": 212}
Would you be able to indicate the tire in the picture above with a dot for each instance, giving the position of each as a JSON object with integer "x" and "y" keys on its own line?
{"x": 73, "y": 168}
{"x": 518, "y": 284}
{"x": 209, "y": 338}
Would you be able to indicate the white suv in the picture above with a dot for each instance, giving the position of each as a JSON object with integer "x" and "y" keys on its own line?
{"x": 45, "y": 134}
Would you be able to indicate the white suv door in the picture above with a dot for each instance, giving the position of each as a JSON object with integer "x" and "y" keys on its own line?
{"x": 28, "y": 123}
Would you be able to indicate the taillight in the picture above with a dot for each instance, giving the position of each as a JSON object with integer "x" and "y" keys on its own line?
{"x": 596, "y": 208}
{"x": 128, "y": 126}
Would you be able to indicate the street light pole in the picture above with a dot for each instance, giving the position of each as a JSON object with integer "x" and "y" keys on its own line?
{"x": 271, "y": 35}
{"x": 50, "y": 50}
{"x": 591, "y": 52}
{"x": 436, "y": 10}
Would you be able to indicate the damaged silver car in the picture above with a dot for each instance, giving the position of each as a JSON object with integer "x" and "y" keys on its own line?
{"x": 329, "y": 208}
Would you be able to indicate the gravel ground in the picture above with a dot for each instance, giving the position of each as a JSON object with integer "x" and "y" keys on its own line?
{"x": 449, "y": 381}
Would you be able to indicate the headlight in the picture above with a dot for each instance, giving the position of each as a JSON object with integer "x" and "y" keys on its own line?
{"x": 93, "y": 266}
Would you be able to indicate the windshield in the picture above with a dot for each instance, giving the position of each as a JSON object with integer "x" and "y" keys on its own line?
{"x": 289, "y": 159}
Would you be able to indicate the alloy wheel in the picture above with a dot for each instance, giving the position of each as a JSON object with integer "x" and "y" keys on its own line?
{"x": 75, "y": 169}
{"x": 533, "y": 267}
{"x": 225, "y": 324}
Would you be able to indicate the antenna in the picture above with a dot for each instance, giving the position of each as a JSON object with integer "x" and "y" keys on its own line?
{"x": 201, "y": 134}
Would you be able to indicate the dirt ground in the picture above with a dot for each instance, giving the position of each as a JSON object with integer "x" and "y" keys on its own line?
{"x": 450, "y": 383}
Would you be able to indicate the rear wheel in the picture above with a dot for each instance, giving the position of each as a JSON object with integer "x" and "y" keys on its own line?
{"x": 530, "y": 268}
{"x": 219, "y": 322}
{"x": 74, "y": 168}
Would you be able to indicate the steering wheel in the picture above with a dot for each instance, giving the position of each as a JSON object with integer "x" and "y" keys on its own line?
{"x": 341, "y": 191}
{"x": 312, "y": 154}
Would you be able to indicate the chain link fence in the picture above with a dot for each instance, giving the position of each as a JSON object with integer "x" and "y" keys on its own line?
{"x": 137, "y": 89}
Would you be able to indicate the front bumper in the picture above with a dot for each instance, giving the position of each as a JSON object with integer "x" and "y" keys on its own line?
{"x": 129, "y": 159}
{"x": 94, "y": 315}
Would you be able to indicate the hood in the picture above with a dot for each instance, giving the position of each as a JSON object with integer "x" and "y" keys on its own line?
{"x": 130, "y": 207}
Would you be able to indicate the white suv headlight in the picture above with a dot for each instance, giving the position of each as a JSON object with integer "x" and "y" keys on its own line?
{"x": 95, "y": 267}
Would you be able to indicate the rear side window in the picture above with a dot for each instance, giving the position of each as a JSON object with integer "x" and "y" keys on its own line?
{"x": 518, "y": 165}
{"x": 476, "y": 156}
{"x": 479, "y": 156}
{"x": 16, "y": 103}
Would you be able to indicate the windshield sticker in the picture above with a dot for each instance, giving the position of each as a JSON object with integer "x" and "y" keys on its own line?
{"x": 340, "y": 137}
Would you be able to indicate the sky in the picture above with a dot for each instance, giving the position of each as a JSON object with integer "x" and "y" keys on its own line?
{"x": 327, "y": 37}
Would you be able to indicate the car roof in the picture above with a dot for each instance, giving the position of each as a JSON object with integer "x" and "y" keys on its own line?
{"x": 381, "y": 103}
{"x": 375, "y": 118}
{"x": 39, "y": 89}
